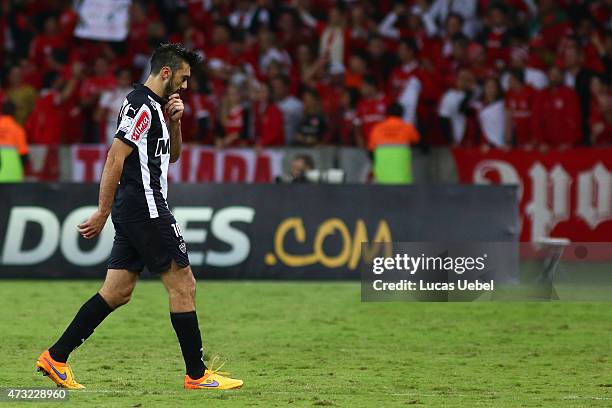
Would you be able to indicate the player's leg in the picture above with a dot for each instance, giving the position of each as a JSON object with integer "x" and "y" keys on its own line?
{"x": 121, "y": 277}
{"x": 165, "y": 253}
{"x": 116, "y": 291}
{"x": 118, "y": 287}
{"x": 181, "y": 286}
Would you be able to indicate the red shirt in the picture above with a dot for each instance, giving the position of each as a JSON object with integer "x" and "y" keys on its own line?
{"x": 520, "y": 105}
{"x": 201, "y": 17}
{"x": 496, "y": 51}
{"x": 33, "y": 76}
{"x": 598, "y": 117}
{"x": 554, "y": 27}
{"x": 330, "y": 97}
{"x": 369, "y": 112}
{"x": 46, "y": 122}
{"x": 67, "y": 22}
{"x": 269, "y": 126}
{"x": 138, "y": 37}
{"x": 95, "y": 85}
{"x": 345, "y": 128}
{"x": 399, "y": 76}
{"x": 42, "y": 46}
{"x": 235, "y": 123}
{"x": 556, "y": 116}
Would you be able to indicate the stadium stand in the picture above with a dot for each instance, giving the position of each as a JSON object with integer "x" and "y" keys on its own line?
{"x": 521, "y": 73}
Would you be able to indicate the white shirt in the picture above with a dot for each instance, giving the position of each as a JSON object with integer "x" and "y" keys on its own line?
{"x": 112, "y": 101}
{"x": 409, "y": 99}
{"x": 492, "y": 119}
{"x": 292, "y": 109}
{"x": 449, "y": 108}
{"x": 440, "y": 9}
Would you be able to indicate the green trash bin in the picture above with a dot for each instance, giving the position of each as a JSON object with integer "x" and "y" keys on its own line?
{"x": 393, "y": 164}
{"x": 11, "y": 169}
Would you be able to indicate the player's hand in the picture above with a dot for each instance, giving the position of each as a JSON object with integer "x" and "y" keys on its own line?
{"x": 175, "y": 107}
{"x": 93, "y": 226}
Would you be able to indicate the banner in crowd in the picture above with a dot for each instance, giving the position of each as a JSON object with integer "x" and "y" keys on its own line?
{"x": 103, "y": 20}
{"x": 562, "y": 193}
{"x": 197, "y": 164}
{"x": 43, "y": 163}
{"x": 264, "y": 231}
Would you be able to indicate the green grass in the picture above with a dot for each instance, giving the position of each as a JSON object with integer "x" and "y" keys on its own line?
{"x": 316, "y": 344}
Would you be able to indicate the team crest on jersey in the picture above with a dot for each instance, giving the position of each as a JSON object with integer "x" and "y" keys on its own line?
{"x": 126, "y": 123}
{"x": 183, "y": 247}
{"x": 142, "y": 124}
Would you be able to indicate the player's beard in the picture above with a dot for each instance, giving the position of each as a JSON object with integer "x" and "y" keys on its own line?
{"x": 169, "y": 89}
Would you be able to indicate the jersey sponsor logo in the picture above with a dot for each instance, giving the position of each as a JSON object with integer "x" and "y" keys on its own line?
{"x": 142, "y": 124}
{"x": 163, "y": 147}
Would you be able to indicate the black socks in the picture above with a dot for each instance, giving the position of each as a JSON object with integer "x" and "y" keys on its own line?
{"x": 188, "y": 332}
{"x": 95, "y": 310}
{"x": 91, "y": 314}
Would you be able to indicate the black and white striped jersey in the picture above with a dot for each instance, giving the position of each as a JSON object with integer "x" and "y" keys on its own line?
{"x": 143, "y": 188}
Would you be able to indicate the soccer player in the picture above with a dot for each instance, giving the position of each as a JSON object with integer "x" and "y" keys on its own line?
{"x": 134, "y": 183}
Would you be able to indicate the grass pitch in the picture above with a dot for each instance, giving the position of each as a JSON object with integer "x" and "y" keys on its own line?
{"x": 316, "y": 344}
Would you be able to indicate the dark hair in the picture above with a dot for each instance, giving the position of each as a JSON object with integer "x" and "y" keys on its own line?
{"x": 454, "y": 15}
{"x": 172, "y": 56}
{"x": 308, "y": 161}
{"x": 360, "y": 54}
{"x": 237, "y": 36}
{"x": 294, "y": 15}
{"x": 284, "y": 79}
{"x": 224, "y": 24}
{"x": 574, "y": 39}
{"x": 59, "y": 55}
{"x": 518, "y": 34}
{"x": 395, "y": 109}
{"x": 370, "y": 80}
{"x": 312, "y": 92}
{"x": 49, "y": 79}
{"x": 353, "y": 96}
{"x": 498, "y": 6}
{"x": 120, "y": 70}
{"x": 9, "y": 108}
{"x": 410, "y": 43}
{"x": 517, "y": 74}
{"x": 375, "y": 36}
{"x": 603, "y": 78}
{"x": 460, "y": 39}
{"x": 340, "y": 6}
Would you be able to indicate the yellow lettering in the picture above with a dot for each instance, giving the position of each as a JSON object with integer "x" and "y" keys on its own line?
{"x": 297, "y": 226}
{"x": 328, "y": 228}
{"x": 382, "y": 235}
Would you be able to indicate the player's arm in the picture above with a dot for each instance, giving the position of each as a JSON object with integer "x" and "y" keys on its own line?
{"x": 175, "y": 109}
{"x": 108, "y": 186}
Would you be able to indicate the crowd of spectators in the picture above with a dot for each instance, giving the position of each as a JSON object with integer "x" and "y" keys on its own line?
{"x": 529, "y": 73}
